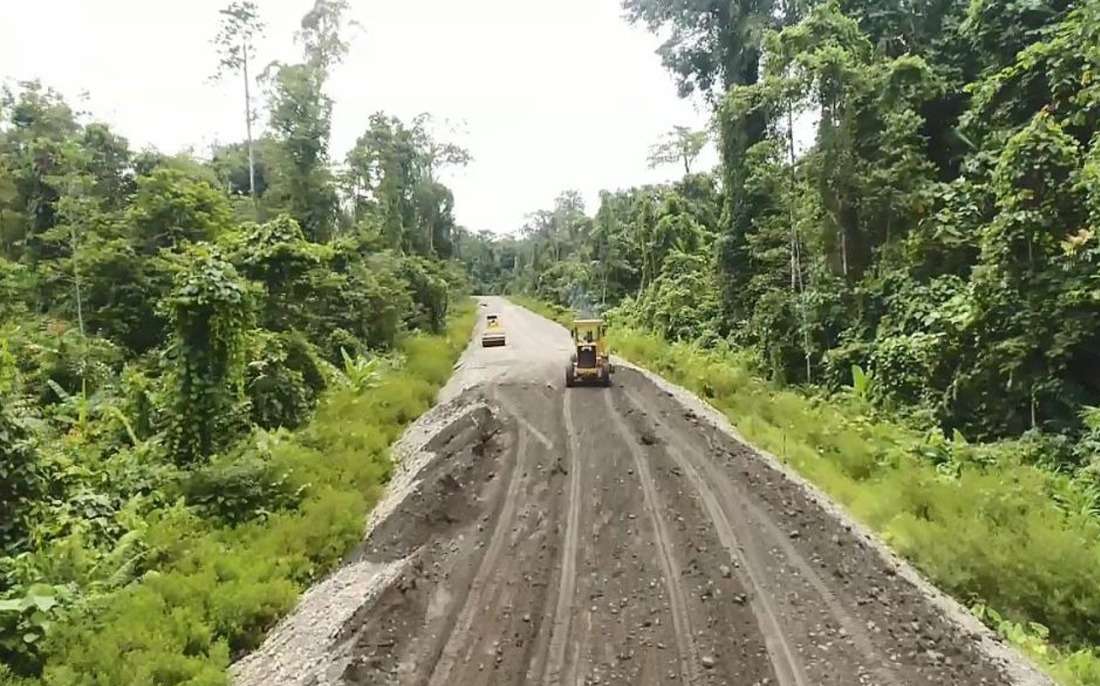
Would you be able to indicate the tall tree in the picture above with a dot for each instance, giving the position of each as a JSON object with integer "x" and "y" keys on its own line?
{"x": 714, "y": 45}
{"x": 681, "y": 144}
{"x": 238, "y": 30}
{"x": 301, "y": 119}
{"x": 392, "y": 179}
{"x": 437, "y": 154}
{"x": 323, "y": 35}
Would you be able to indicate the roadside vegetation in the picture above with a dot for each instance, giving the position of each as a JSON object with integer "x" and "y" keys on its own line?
{"x": 203, "y": 362}
{"x": 908, "y": 311}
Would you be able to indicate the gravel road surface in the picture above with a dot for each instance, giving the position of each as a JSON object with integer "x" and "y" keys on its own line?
{"x": 544, "y": 535}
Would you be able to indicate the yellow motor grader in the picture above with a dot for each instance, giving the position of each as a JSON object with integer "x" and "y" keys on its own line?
{"x": 590, "y": 361}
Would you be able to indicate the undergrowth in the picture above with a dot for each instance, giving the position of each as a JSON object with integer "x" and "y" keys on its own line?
{"x": 557, "y": 313}
{"x": 1016, "y": 543}
{"x": 208, "y": 590}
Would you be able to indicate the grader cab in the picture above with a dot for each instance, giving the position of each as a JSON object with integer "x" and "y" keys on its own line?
{"x": 590, "y": 362}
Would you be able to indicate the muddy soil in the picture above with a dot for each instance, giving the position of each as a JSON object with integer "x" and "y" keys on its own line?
{"x": 612, "y": 536}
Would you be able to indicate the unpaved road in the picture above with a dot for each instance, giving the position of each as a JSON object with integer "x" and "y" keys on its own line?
{"x": 546, "y": 535}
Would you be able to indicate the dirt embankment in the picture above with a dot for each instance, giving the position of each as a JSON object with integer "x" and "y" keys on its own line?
{"x": 548, "y": 535}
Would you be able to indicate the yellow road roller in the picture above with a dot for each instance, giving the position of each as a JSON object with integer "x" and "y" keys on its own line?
{"x": 494, "y": 332}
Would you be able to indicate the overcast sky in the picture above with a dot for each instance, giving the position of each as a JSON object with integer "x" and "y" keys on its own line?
{"x": 551, "y": 95}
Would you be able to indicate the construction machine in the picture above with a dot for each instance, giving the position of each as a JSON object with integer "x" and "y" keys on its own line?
{"x": 590, "y": 361}
{"x": 494, "y": 332}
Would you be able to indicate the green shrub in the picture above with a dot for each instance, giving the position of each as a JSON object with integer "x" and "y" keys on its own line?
{"x": 210, "y": 591}
{"x": 241, "y": 487}
{"x": 284, "y": 379}
{"x": 22, "y": 479}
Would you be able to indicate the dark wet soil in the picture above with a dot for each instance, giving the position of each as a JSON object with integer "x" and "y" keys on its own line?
{"x": 606, "y": 536}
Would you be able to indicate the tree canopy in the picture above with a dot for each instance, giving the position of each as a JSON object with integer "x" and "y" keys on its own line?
{"x": 164, "y": 319}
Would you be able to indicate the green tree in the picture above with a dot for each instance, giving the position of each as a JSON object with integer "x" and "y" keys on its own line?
{"x": 210, "y": 310}
{"x": 681, "y": 145}
{"x": 238, "y": 30}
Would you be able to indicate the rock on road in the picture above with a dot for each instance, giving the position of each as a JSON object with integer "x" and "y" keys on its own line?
{"x": 545, "y": 535}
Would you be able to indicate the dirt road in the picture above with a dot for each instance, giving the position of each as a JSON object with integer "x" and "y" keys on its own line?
{"x": 577, "y": 536}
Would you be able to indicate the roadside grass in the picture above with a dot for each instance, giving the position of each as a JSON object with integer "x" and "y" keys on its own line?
{"x": 209, "y": 593}
{"x": 976, "y": 520}
{"x": 557, "y": 313}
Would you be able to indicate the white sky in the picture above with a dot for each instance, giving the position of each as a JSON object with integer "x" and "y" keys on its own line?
{"x": 552, "y": 95}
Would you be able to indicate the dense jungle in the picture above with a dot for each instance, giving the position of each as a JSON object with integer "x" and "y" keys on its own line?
{"x": 204, "y": 357}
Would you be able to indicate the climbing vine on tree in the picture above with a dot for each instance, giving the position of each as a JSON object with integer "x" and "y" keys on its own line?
{"x": 210, "y": 310}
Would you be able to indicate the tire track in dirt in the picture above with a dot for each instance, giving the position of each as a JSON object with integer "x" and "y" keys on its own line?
{"x": 561, "y": 623}
{"x": 460, "y": 634}
{"x": 758, "y": 522}
{"x": 689, "y": 654}
{"x": 732, "y": 492}
{"x": 917, "y": 637}
{"x": 789, "y": 670}
{"x": 472, "y": 604}
{"x": 398, "y": 638}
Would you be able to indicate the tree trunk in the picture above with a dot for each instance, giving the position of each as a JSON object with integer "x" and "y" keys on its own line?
{"x": 796, "y": 267}
{"x": 844, "y": 250}
{"x": 248, "y": 133}
{"x": 76, "y": 280}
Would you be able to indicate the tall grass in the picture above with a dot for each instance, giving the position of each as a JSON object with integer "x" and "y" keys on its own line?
{"x": 557, "y": 313}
